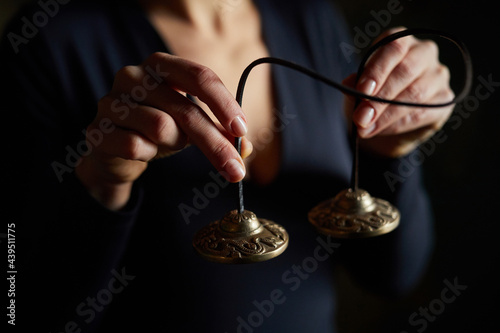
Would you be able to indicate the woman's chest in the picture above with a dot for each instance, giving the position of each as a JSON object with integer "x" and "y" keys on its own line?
{"x": 228, "y": 55}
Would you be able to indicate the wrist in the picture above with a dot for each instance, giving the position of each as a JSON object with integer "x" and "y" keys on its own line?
{"x": 111, "y": 194}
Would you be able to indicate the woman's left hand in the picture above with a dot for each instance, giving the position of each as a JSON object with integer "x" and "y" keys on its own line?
{"x": 409, "y": 70}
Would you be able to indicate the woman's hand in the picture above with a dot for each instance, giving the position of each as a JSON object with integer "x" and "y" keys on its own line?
{"x": 409, "y": 70}
{"x": 149, "y": 116}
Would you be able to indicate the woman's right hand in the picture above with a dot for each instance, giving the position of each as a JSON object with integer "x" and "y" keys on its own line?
{"x": 147, "y": 115}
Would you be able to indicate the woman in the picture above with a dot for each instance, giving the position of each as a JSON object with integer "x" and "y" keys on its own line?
{"x": 108, "y": 213}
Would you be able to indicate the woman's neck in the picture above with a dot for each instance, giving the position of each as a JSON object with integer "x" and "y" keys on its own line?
{"x": 203, "y": 15}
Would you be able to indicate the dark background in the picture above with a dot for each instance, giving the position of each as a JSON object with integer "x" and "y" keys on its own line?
{"x": 461, "y": 175}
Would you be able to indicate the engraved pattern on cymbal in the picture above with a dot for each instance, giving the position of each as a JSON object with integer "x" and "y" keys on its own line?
{"x": 353, "y": 214}
{"x": 218, "y": 244}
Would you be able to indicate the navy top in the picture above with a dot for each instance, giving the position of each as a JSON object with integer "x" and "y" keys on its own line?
{"x": 84, "y": 267}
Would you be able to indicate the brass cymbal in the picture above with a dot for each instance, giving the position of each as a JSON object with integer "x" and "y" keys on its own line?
{"x": 354, "y": 214}
{"x": 240, "y": 238}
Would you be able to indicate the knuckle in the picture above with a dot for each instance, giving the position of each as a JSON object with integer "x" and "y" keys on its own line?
{"x": 132, "y": 148}
{"x": 406, "y": 70}
{"x": 387, "y": 116}
{"x": 449, "y": 94}
{"x": 166, "y": 133}
{"x": 414, "y": 93}
{"x": 431, "y": 47}
{"x": 126, "y": 73}
{"x": 125, "y": 77}
{"x": 190, "y": 116}
{"x": 229, "y": 105}
{"x": 375, "y": 70}
{"x": 221, "y": 151}
{"x": 204, "y": 76}
{"x": 399, "y": 47}
{"x": 156, "y": 57}
{"x": 444, "y": 72}
{"x": 413, "y": 118}
{"x": 180, "y": 142}
{"x": 446, "y": 95}
{"x": 162, "y": 127}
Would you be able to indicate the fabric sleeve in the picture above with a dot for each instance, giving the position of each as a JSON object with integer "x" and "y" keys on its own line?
{"x": 393, "y": 264}
{"x": 68, "y": 245}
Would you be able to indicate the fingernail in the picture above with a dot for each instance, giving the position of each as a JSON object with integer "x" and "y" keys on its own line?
{"x": 239, "y": 127}
{"x": 234, "y": 170}
{"x": 365, "y": 116}
{"x": 367, "y": 86}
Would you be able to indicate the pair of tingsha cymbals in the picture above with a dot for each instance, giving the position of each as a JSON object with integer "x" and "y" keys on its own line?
{"x": 244, "y": 238}
{"x": 241, "y": 237}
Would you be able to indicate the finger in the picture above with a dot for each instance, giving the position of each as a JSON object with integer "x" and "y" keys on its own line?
{"x": 388, "y": 32}
{"x": 420, "y": 58}
{"x": 421, "y": 117}
{"x": 382, "y": 62}
{"x": 393, "y": 77}
{"x": 157, "y": 126}
{"x": 190, "y": 119}
{"x": 401, "y": 79}
{"x": 202, "y": 132}
{"x": 397, "y": 119}
{"x": 375, "y": 74}
{"x": 202, "y": 82}
{"x": 125, "y": 144}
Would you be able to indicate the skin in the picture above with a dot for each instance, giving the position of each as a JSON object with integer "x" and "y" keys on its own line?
{"x": 166, "y": 121}
{"x": 407, "y": 69}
